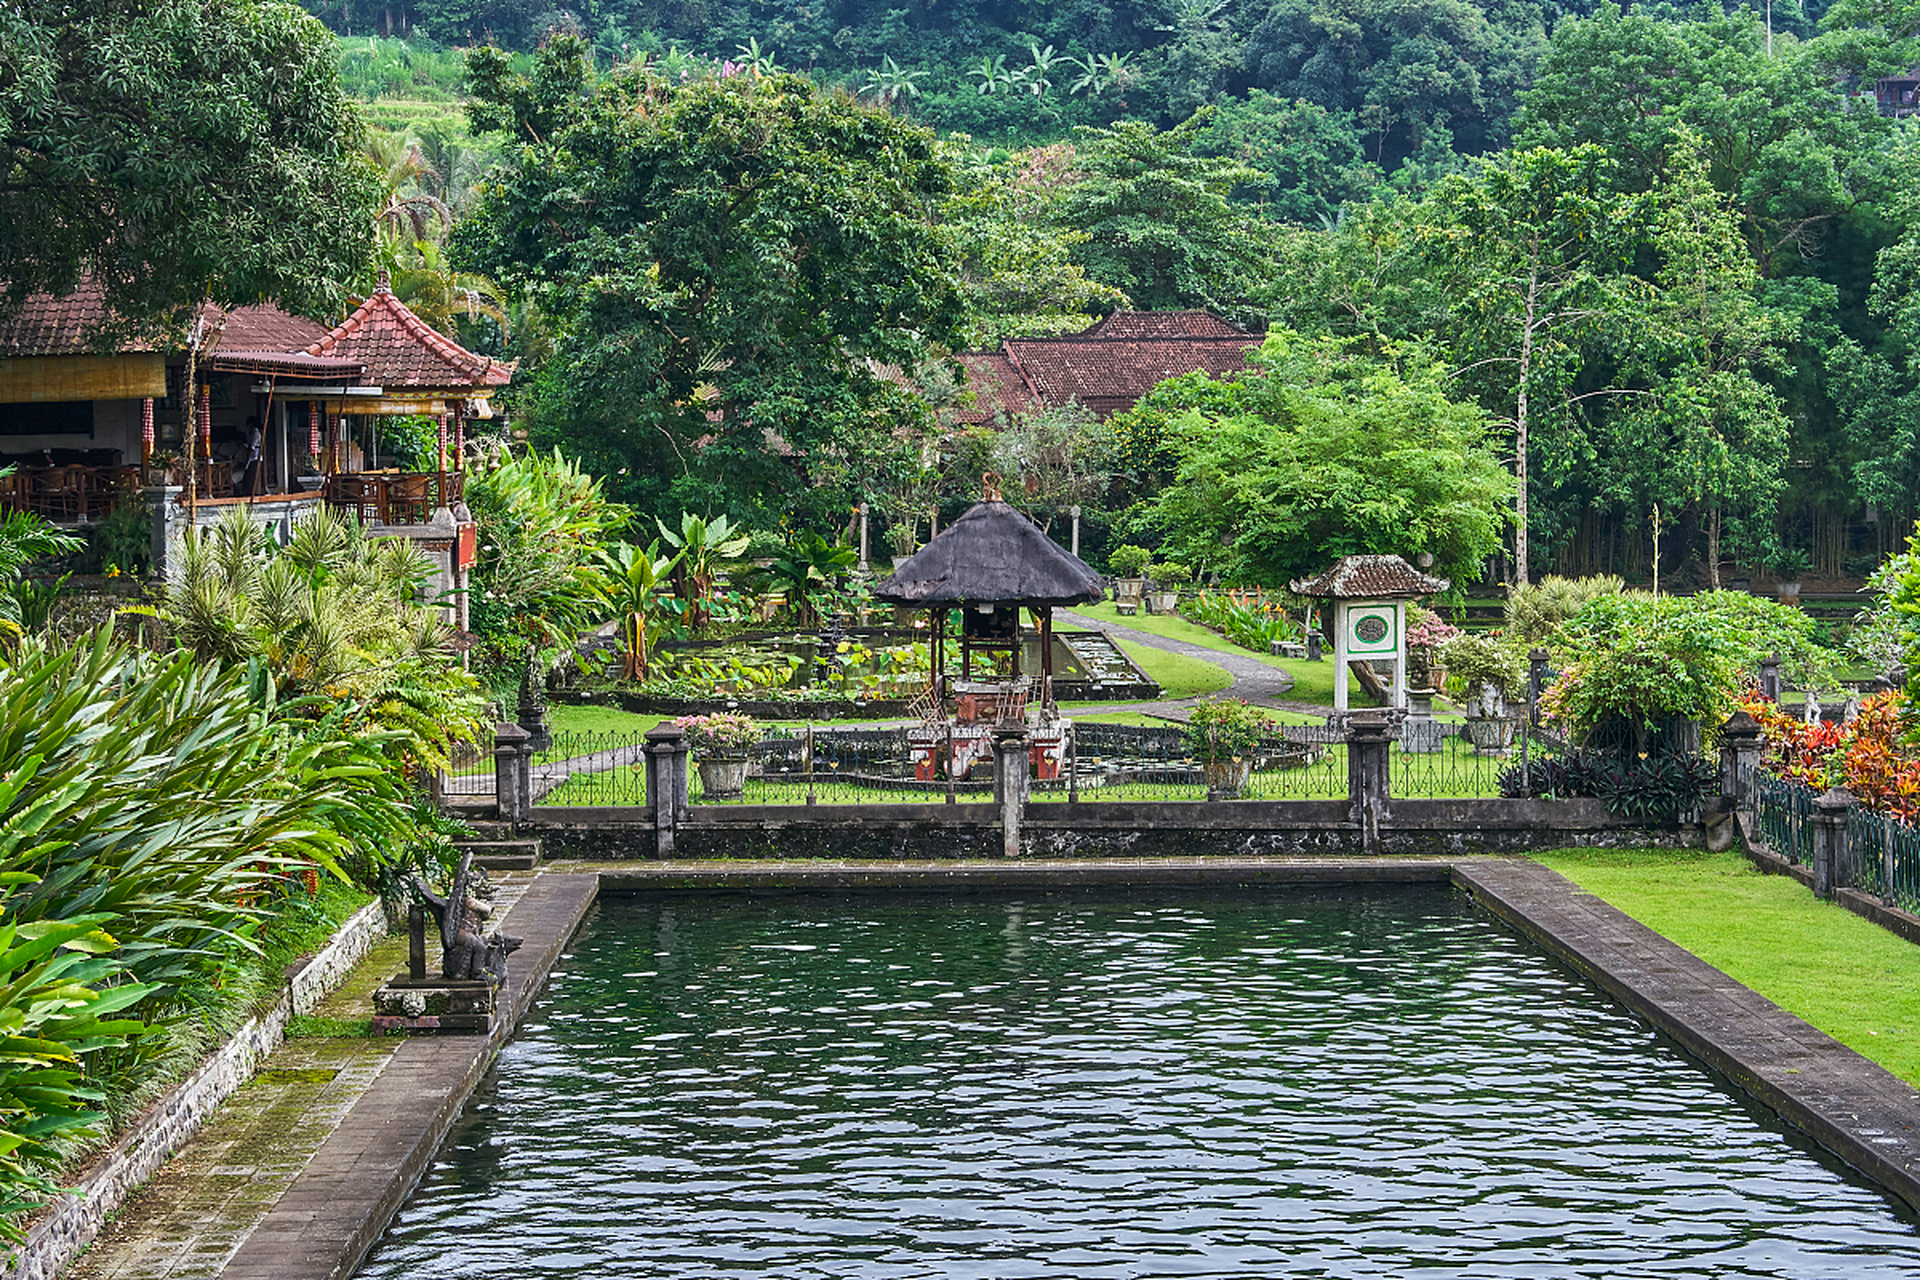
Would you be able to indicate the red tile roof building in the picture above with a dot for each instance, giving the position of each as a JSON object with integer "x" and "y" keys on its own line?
{"x": 403, "y": 352}
{"x": 1106, "y": 368}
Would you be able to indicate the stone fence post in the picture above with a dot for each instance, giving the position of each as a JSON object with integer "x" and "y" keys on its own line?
{"x": 666, "y": 753}
{"x": 1010, "y": 787}
{"x": 1770, "y": 677}
{"x": 1537, "y": 660}
{"x": 1368, "y": 779}
{"x": 1741, "y": 743}
{"x": 1832, "y": 860}
{"x": 512, "y": 772}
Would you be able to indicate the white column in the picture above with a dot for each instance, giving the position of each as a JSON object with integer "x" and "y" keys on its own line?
{"x": 1340, "y": 672}
{"x": 1400, "y": 654}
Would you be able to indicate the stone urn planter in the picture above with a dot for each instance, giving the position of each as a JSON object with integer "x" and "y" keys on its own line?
{"x": 1490, "y": 735}
{"x": 1229, "y": 778}
{"x": 1163, "y": 601}
{"x": 723, "y": 777}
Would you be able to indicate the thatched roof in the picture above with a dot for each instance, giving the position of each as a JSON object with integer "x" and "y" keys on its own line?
{"x": 992, "y": 555}
{"x": 1369, "y": 578}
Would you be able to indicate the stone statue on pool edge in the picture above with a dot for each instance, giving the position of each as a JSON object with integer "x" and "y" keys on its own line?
{"x": 465, "y": 952}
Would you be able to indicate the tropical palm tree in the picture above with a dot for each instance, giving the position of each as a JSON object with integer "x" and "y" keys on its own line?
{"x": 408, "y": 209}
{"x": 1034, "y": 77}
{"x": 442, "y": 296}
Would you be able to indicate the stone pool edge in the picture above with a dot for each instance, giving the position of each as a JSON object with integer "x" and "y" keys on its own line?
{"x": 340, "y": 1204}
{"x": 338, "y": 1207}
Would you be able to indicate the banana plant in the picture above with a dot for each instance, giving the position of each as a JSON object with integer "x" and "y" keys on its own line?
{"x": 638, "y": 578}
{"x": 701, "y": 549}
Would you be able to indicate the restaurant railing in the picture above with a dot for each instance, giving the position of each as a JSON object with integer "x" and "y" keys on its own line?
{"x": 403, "y": 498}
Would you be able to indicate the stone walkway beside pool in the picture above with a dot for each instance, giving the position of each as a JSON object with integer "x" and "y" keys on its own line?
{"x": 298, "y": 1175}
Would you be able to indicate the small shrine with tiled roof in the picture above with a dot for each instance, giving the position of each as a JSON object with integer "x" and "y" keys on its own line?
{"x": 1369, "y": 595}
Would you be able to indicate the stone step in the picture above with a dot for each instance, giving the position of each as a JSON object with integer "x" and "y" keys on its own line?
{"x": 486, "y": 830}
{"x": 502, "y": 855}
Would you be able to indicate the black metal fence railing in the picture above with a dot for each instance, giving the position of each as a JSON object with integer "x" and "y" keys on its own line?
{"x": 1886, "y": 856}
{"x": 1093, "y": 763}
{"x": 468, "y": 773}
{"x": 603, "y": 770}
{"x": 1442, "y": 760}
{"x": 1784, "y": 809}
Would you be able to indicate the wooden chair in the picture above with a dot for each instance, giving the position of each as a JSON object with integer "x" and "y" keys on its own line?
{"x": 56, "y": 492}
{"x": 408, "y": 499}
{"x": 355, "y": 494}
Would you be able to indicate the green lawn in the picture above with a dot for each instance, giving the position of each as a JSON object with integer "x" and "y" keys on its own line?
{"x": 1312, "y": 681}
{"x": 1853, "y": 980}
{"x": 566, "y": 718}
{"x": 1177, "y": 675}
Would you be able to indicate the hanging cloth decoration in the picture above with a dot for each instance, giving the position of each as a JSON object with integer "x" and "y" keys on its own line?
{"x": 206, "y": 419}
{"x": 445, "y": 423}
{"x": 316, "y": 419}
{"x": 459, "y": 439}
{"x": 146, "y": 431}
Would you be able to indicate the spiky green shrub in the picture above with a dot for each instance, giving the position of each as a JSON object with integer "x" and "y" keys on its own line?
{"x": 57, "y": 989}
{"x": 335, "y": 619}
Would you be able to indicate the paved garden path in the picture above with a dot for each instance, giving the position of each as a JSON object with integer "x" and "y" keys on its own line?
{"x": 1253, "y": 679}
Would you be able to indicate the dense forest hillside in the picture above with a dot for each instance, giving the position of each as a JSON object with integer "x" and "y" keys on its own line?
{"x": 1727, "y": 369}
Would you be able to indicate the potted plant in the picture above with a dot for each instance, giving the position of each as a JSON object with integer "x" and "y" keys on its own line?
{"x": 1788, "y": 565}
{"x": 720, "y": 743}
{"x": 1165, "y": 581}
{"x": 1490, "y": 673}
{"x": 1128, "y": 564}
{"x": 1223, "y": 733}
{"x": 903, "y": 535}
{"x": 1426, "y": 638}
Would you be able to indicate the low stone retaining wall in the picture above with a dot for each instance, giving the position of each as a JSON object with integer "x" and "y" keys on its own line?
{"x": 1059, "y": 830}
{"x": 73, "y": 1220}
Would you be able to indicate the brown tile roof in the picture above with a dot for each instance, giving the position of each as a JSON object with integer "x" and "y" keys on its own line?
{"x": 50, "y": 326}
{"x": 64, "y": 326}
{"x": 997, "y": 388}
{"x": 1369, "y": 578}
{"x": 268, "y": 328}
{"x": 1162, "y": 324}
{"x": 1108, "y": 375}
{"x": 400, "y": 350}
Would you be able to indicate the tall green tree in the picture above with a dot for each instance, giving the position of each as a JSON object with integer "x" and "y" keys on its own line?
{"x": 1158, "y": 222}
{"x": 1529, "y": 251}
{"x": 736, "y": 260}
{"x": 175, "y": 151}
{"x": 1323, "y": 451}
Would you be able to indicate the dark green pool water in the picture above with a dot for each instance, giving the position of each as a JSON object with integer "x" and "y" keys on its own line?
{"x": 1378, "y": 1083}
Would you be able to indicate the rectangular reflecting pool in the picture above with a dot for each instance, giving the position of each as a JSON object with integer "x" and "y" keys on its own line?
{"x": 1365, "y": 1082}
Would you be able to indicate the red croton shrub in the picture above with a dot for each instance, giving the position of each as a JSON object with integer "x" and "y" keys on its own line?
{"x": 1871, "y": 756}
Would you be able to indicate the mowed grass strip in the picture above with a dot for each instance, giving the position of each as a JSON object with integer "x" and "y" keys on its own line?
{"x": 1178, "y": 675}
{"x": 1820, "y": 962}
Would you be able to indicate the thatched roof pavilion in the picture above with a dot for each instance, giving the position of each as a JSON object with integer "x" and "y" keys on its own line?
{"x": 991, "y": 563}
{"x": 992, "y": 555}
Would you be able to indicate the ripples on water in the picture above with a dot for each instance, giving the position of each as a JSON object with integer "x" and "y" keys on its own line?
{"x": 1330, "y": 1083}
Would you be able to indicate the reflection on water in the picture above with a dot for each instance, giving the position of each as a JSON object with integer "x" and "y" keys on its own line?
{"x": 1325, "y": 1083}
